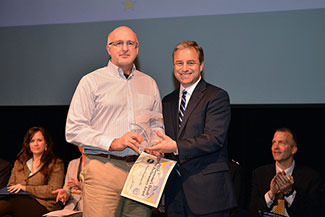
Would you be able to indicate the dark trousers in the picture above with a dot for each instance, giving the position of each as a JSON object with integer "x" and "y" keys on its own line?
{"x": 177, "y": 207}
{"x": 21, "y": 206}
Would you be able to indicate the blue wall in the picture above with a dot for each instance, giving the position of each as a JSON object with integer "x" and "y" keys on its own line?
{"x": 259, "y": 58}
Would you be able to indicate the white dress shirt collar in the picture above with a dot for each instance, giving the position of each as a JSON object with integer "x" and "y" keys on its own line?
{"x": 288, "y": 171}
{"x": 189, "y": 90}
{"x": 117, "y": 71}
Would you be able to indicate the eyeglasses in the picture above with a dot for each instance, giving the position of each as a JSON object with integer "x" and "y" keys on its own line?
{"x": 119, "y": 44}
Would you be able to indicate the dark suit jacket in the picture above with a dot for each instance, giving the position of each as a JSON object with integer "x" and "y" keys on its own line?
{"x": 307, "y": 184}
{"x": 5, "y": 170}
{"x": 201, "y": 141}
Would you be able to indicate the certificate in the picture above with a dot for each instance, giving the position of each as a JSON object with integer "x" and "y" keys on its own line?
{"x": 64, "y": 212}
{"x": 147, "y": 179}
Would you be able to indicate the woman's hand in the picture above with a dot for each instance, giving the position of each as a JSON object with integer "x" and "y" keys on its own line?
{"x": 16, "y": 188}
{"x": 62, "y": 195}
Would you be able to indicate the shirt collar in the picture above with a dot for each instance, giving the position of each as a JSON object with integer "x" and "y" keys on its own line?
{"x": 118, "y": 71}
{"x": 189, "y": 89}
{"x": 288, "y": 171}
{"x": 29, "y": 164}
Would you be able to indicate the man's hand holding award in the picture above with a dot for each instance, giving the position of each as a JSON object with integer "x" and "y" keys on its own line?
{"x": 148, "y": 176}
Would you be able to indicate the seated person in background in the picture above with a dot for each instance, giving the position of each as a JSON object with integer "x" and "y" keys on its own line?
{"x": 286, "y": 183}
{"x": 237, "y": 175}
{"x": 5, "y": 169}
{"x": 37, "y": 171}
{"x": 70, "y": 194}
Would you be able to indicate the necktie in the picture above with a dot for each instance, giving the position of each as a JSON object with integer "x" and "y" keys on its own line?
{"x": 278, "y": 207}
{"x": 182, "y": 108}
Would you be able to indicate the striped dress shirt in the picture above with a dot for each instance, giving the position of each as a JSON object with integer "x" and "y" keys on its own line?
{"x": 105, "y": 104}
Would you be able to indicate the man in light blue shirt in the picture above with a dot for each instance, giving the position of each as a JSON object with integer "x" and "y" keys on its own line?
{"x": 103, "y": 107}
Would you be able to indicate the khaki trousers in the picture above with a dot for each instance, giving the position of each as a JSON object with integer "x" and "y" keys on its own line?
{"x": 102, "y": 182}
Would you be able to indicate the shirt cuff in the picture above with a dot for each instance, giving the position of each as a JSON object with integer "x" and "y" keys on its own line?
{"x": 290, "y": 198}
{"x": 105, "y": 143}
{"x": 176, "y": 152}
{"x": 268, "y": 200}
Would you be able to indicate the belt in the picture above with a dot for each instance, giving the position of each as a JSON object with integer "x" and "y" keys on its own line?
{"x": 129, "y": 158}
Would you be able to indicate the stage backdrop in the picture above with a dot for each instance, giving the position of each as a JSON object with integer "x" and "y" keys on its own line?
{"x": 261, "y": 52}
{"x": 268, "y": 55}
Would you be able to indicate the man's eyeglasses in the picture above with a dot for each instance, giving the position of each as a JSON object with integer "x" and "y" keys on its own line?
{"x": 119, "y": 44}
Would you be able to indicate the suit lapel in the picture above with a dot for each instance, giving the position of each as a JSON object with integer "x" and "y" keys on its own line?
{"x": 196, "y": 97}
{"x": 173, "y": 111}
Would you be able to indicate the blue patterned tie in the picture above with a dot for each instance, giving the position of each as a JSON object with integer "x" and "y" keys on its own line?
{"x": 182, "y": 108}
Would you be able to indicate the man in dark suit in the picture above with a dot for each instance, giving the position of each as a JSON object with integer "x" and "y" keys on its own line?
{"x": 196, "y": 125}
{"x": 5, "y": 171}
{"x": 300, "y": 186}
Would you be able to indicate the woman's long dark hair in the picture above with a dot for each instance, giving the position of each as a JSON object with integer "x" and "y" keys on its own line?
{"x": 48, "y": 156}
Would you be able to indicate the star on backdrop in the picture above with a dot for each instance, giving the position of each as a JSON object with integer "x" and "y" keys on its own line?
{"x": 129, "y": 4}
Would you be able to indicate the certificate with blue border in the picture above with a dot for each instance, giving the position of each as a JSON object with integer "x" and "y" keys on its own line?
{"x": 147, "y": 179}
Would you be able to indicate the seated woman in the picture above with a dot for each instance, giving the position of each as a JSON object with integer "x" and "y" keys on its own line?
{"x": 37, "y": 171}
{"x": 70, "y": 194}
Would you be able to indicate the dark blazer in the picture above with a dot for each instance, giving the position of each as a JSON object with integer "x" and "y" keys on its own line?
{"x": 307, "y": 183}
{"x": 5, "y": 170}
{"x": 201, "y": 142}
